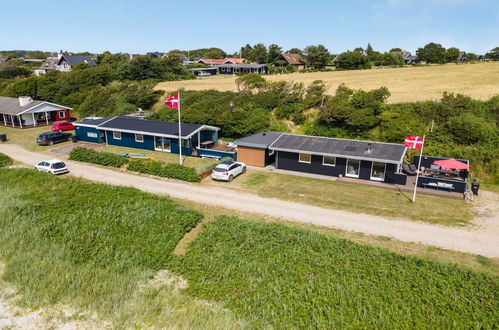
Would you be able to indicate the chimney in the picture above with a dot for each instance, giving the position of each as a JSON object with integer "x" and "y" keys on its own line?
{"x": 263, "y": 133}
{"x": 25, "y": 100}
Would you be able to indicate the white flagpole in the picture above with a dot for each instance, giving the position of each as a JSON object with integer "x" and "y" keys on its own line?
{"x": 179, "y": 131}
{"x": 417, "y": 173}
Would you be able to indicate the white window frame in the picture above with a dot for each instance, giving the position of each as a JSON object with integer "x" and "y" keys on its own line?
{"x": 92, "y": 135}
{"x": 63, "y": 114}
{"x": 115, "y": 137}
{"x": 346, "y": 169}
{"x": 376, "y": 178}
{"x": 302, "y": 161}
{"x": 334, "y": 162}
{"x": 141, "y": 140}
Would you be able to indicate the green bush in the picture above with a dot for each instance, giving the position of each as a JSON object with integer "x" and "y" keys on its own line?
{"x": 166, "y": 170}
{"x": 5, "y": 160}
{"x": 96, "y": 157}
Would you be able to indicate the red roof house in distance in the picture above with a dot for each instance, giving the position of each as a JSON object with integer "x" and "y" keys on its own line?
{"x": 286, "y": 59}
{"x": 220, "y": 61}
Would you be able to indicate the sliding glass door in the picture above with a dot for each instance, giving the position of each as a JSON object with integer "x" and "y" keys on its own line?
{"x": 353, "y": 166}
{"x": 378, "y": 171}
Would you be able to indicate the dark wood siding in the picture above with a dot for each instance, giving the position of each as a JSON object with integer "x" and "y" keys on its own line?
{"x": 289, "y": 161}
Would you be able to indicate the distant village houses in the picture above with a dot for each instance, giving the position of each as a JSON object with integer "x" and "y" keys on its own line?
{"x": 63, "y": 62}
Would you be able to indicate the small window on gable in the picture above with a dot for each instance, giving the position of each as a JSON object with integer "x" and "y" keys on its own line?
{"x": 117, "y": 135}
{"x": 305, "y": 158}
{"x": 139, "y": 138}
{"x": 329, "y": 161}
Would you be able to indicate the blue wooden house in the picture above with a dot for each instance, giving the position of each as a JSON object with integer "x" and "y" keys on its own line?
{"x": 154, "y": 135}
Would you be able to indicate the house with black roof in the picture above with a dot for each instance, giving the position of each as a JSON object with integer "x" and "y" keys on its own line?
{"x": 154, "y": 135}
{"x": 366, "y": 160}
{"x": 254, "y": 150}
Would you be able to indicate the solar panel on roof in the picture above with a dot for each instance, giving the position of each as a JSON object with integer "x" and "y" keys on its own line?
{"x": 350, "y": 148}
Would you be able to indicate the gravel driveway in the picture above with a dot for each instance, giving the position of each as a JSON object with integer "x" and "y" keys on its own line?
{"x": 479, "y": 240}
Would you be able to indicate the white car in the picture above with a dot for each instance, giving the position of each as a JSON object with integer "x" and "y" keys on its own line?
{"x": 204, "y": 74}
{"x": 227, "y": 171}
{"x": 54, "y": 166}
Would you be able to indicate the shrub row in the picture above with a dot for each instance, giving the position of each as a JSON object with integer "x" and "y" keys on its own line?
{"x": 97, "y": 157}
{"x": 166, "y": 170}
{"x": 5, "y": 160}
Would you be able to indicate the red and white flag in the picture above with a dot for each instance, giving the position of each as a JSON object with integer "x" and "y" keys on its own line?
{"x": 414, "y": 142}
{"x": 172, "y": 101}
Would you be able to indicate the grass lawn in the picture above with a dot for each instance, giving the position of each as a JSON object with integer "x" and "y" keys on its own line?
{"x": 406, "y": 84}
{"x": 108, "y": 250}
{"x": 201, "y": 165}
{"x": 27, "y": 137}
{"x": 352, "y": 197}
{"x": 294, "y": 278}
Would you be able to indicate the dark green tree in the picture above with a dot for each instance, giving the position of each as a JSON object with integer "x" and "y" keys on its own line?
{"x": 316, "y": 57}
{"x": 353, "y": 61}
{"x": 258, "y": 54}
{"x": 451, "y": 54}
{"x": 493, "y": 54}
{"x": 432, "y": 53}
{"x": 395, "y": 50}
{"x": 295, "y": 51}
{"x": 274, "y": 51}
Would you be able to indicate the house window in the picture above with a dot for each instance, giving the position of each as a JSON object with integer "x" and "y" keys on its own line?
{"x": 353, "y": 166}
{"x": 62, "y": 114}
{"x": 305, "y": 158}
{"x": 92, "y": 135}
{"x": 117, "y": 135}
{"x": 328, "y": 161}
{"x": 378, "y": 171}
{"x": 139, "y": 138}
{"x": 185, "y": 143}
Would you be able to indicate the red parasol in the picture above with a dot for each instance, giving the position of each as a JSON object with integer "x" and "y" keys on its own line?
{"x": 452, "y": 163}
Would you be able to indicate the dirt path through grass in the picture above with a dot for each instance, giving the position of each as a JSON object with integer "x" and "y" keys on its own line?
{"x": 482, "y": 240}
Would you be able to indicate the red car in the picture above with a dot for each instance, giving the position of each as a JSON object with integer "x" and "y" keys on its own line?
{"x": 63, "y": 125}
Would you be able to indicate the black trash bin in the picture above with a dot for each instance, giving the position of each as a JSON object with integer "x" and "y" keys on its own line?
{"x": 3, "y": 137}
{"x": 74, "y": 138}
{"x": 474, "y": 188}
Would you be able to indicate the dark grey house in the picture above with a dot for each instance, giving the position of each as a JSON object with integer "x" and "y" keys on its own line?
{"x": 366, "y": 160}
{"x": 243, "y": 68}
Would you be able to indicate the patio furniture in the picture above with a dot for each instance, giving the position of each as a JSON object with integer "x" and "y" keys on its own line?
{"x": 413, "y": 168}
{"x": 207, "y": 144}
{"x": 407, "y": 170}
{"x": 452, "y": 164}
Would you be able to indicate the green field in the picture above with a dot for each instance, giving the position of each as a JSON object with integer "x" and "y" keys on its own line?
{"x": 105, "y": 249}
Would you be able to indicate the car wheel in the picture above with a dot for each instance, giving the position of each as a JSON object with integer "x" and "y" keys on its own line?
{"x": 244, "y": 169}
{"x": 69, "y": 138}
{"x": 230, "y": 178}
{"x": 51, "y": 143}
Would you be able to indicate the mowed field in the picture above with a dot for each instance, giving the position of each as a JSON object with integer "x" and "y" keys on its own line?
{"x": 407, "y": 84}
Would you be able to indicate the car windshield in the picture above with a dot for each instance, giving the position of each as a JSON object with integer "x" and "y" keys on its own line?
{"x": 58, "y": 165}
{"x": 219, "y": 169}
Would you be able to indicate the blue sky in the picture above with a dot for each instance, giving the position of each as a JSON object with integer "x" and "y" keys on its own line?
{"x": 154, "y": 25}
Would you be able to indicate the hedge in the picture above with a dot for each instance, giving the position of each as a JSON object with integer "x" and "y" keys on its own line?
{"x": 166, "y": 170}
{"x": 97, "y": 157}
{"x": 5, "y": 160}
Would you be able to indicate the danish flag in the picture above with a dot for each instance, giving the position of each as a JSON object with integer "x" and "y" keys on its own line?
{"x": 172, "y": 101}
{"x": 414, "y": 142}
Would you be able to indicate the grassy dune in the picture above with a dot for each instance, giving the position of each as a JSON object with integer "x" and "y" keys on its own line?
{"x": 407, "y": 84}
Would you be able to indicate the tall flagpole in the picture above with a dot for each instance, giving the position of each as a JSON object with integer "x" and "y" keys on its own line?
{"x": 417, "y": 172}
{"x": 179, "y": 132}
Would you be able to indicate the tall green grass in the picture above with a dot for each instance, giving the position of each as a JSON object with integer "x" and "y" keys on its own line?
{"x": 296, "y": 278}
{"x": 94, "y": 248}
{"x": 5, "y": 160}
